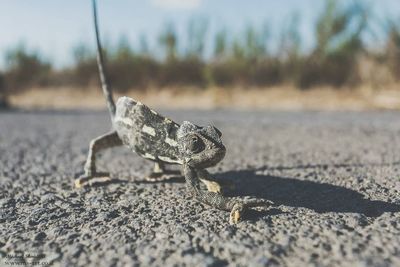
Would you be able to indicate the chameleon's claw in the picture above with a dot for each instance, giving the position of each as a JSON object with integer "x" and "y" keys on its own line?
{"x": 212, "y": 186}
{"x": 218, "y": 187}
{"x": 236, "y": 213}
{"x": 78, "y": 183}
{"x": 238, "y": 209}
{"x": 90, "y": 180}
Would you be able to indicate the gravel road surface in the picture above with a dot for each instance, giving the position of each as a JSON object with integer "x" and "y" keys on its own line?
{"x": 334, "y": 178}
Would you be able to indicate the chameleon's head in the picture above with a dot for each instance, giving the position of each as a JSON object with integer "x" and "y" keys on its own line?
{"x": 200, "y": 147}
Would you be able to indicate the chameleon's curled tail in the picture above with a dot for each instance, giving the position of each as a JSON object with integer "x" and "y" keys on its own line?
{"x": 105, "y": 85}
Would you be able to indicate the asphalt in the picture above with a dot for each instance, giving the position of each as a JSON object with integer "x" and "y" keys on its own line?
{"x": 334, "y": 178}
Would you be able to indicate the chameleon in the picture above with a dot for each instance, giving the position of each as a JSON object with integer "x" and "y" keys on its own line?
{"x": 165, "y": 142}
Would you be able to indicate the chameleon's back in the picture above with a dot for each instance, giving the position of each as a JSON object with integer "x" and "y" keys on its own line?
{"x": 149, "y": 134}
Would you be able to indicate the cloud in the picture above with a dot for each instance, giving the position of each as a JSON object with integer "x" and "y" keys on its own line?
{"x": 177, "y": 4}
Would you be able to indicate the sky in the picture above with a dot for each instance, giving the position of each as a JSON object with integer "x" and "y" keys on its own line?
{"x": 54, "y": 27}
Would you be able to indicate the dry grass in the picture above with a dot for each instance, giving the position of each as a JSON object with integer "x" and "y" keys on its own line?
{"x": 275, "y": 98}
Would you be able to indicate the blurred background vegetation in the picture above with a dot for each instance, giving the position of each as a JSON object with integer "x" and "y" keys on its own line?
{"x": 340, "y": 58}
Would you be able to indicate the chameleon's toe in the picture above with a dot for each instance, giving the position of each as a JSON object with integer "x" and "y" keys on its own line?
{"x": 90, "y": 180}
{"x": 78, "y": 183}
{"x": 219, "y": 187}
{"x": 236, "y": 213}
{"x": 213, "y": 187}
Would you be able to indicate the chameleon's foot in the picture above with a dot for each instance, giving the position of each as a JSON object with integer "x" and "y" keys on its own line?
{"x": 239, "y": 208}
{"x": 236, "y": 213}
{"x": 212, "y": 186}
{"x": 90, "y": 180}
{"x": 163, "y": 176}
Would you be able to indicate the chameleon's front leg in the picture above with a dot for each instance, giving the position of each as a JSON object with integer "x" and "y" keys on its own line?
{"x": 235, "y": 206}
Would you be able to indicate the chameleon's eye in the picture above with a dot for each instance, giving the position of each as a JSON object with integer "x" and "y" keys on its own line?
{"x": 195, "y": 144}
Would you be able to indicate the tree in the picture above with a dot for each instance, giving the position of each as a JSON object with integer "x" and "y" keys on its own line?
{"x": 26, "y": 69}
{"x": 168, "y": 41}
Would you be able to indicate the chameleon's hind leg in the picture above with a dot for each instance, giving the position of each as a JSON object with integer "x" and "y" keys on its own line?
{"x": 91, "y": 176}
{"x": 160, "y": 173}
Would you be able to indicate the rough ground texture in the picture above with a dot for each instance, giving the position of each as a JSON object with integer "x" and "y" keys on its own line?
{"x": 334, "y": 178}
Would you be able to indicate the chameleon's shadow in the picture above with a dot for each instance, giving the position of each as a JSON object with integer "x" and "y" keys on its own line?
{"x": 320, "y": 197}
